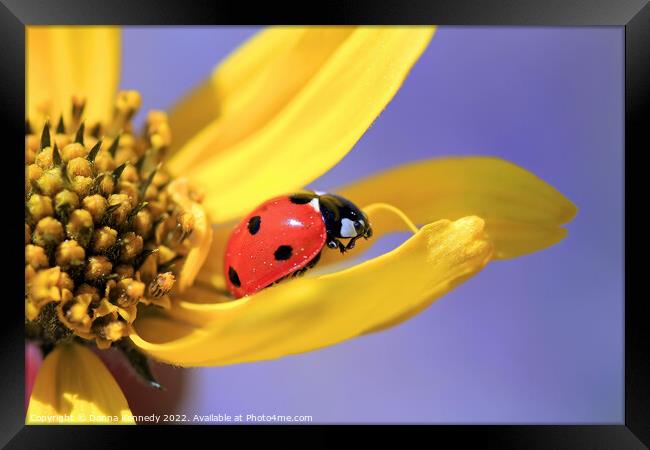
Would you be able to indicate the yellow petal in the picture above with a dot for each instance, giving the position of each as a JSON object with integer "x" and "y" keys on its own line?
{"x": 73, "y": 387}
{"x": 235, "y": 85}
{"x": 522, "y": 213}
{"x": 211, "y": 272}
{"x": 66, "y": 61}
{"x": 201, "y": 237}
{"x": 312, "y": 127}
{"x": 311, "y": 313}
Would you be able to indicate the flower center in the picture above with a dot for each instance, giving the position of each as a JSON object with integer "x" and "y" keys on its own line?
{"x": 103, "y": 231}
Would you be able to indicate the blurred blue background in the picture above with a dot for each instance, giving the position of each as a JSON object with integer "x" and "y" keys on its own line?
{"x": 537, "y": 339}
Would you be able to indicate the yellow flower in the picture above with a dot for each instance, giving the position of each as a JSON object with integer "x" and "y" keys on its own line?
{"x": 275, "y": 115}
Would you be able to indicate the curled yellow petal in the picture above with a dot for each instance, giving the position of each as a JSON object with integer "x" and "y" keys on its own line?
{"x": 310, "y": 313}
{"x": 74, "y": 387}
{"x": 200, "y": 240}
{"x": 211, "y": 272}
{"x": 522, "y": 212}
{"x": 354, "y": 73}
{"x": 62, "y": 62}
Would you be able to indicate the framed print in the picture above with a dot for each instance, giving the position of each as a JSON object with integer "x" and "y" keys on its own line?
{"x": 416, "y": 216}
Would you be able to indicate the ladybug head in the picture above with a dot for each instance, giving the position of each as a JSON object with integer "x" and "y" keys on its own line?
{"x": 343, "y": 219}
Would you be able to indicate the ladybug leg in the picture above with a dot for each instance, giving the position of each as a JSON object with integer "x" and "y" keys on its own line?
{"x": 350, "y": 245}
{"x": 335, "y": 243}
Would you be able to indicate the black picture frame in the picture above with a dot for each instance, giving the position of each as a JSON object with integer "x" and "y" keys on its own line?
{"x": 633, "y": 15}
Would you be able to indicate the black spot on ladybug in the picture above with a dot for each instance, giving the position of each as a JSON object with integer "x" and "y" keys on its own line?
{"x": 254, "y": 224}
{"x": 283, "y": 253}
{"x": 301, "y": 199}
{"x": 234, "y": 278}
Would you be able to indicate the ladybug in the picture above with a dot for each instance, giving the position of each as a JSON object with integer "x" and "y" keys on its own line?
{"x": 284, "y": 237}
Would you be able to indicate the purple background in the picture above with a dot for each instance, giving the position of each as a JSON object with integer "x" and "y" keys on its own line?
{"x": 537, "y": 339}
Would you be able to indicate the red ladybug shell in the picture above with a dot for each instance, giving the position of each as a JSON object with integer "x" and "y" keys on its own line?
{"x": 278, "y": 238}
